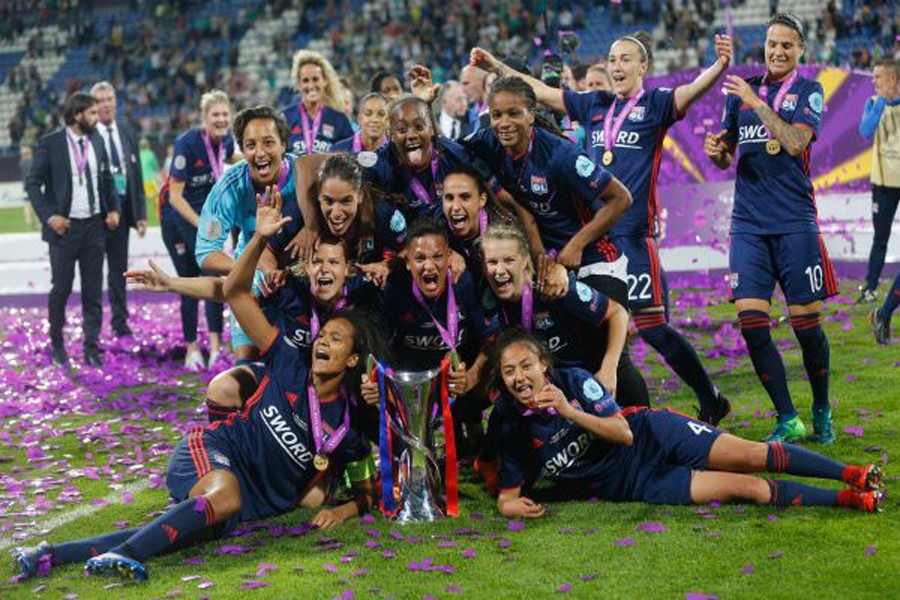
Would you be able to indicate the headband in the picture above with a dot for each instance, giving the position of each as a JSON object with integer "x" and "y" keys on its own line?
{"x": 640, "y": 44}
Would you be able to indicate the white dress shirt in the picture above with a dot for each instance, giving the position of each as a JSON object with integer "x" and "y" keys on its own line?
{"x": 80, "y": 208}
{"x": 105, "y": 133}
{"x": 451, "y": 127}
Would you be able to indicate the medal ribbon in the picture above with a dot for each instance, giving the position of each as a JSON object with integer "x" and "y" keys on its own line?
{"x": 309, "y": 135}
{"x": 216, "y": 163}
{"x": 450, "y": 441}
{"x": 282, "y": 180}
{"x": 527, "y": 304}
{"x": 418, "y": 188}
{"x": 315, "y": 417}
{"x": 611, "y": 129}
{"x": 81, "y": 158}
{"x": 314, "y": 317}
{"x": 449, "y": 333}
{"x": 357, "y": 142}
{"x": 779, "y": 97}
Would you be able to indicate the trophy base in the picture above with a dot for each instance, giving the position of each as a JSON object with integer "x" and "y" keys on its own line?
{"x": 417, "y": 505}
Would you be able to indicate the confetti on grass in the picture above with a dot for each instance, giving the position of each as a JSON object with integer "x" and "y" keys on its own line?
{"x": 625, "y": 542}
{"x": 651, "y": 527}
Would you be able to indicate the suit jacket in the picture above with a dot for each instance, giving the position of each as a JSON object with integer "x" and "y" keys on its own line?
{"x": 49, "y": 183}
{"x": 134, "y": 184}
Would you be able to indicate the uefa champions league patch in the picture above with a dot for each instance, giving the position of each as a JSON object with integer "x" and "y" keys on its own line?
{"x": 398, "y": 223}
{"x": 583, "y": 291}
{"x": 213, "y": 229}
{"x": 584, "y": 166}
{"x": 592, "y": 390}
{"x": 180, "y": 162}
{"x": 816, "y": 102}
{"x": 367, "y": 159}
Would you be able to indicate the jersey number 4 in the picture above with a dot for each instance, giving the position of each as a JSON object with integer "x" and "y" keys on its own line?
{"x": 699, "y": 428}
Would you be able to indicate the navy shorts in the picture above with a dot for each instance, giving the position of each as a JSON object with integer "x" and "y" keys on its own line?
{"x": 798, "y": 262}
{"x": 667, "y": 448}
{"x": 194, "y": 457}
{"x": 646, "y": 279}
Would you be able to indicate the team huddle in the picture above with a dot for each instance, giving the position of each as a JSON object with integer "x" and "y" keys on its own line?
{"x": 524, "y": 253}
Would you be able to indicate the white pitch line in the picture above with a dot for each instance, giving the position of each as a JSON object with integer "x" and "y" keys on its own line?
{"x": 77, "y": 513}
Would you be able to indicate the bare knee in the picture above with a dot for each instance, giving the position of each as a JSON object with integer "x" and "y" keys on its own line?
{"x": 225, "y": 388}
{"x": 221, "y": 489}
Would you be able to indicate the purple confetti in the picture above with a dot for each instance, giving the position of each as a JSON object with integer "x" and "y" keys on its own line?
{"x": 871, "y": 550}
{"x": 625, "y": 542}
{"x": 515, "y": 525}
{"x": 590, "y": 577}
{"x": 330, "y": 568}
{"x": 566, "y": 587}
{"x": 233, "y": 550}
{"x": 748, "y": 569}
{"x": 651, "y": 527}
{"x": 855, "y": 431}
{"x": 252, "y": 585}
{"x": 776, "y": 554}
{"x": 469, "y": 553}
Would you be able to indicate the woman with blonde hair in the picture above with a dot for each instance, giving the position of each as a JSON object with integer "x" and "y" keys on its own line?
{"x": 317, "y": 120}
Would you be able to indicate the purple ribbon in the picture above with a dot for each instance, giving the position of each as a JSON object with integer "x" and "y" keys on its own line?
{"x": 216, "y": 163}
{"x": 309, "y": 135}
{"x": 357, "y": 142}
{"x": 315, "y": 417}
{"x": 449, "y": 333}
{"x": 314, "y": 316}
{"x": 527, "y": 306}
{"x": 418, "y": 188}
{"x": 611, "y": 129}
{"x": 779, "y": 97}
{"x": 81, "y": 158}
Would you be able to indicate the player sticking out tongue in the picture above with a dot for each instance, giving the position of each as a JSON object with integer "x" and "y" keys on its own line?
{"x": 412, "y": 132}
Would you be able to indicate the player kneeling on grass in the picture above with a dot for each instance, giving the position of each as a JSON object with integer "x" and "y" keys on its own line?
{"x": 563, "y": 425}
{"x": 263, "y": 461}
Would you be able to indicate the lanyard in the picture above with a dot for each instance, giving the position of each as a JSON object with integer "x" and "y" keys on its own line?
{"x": 357, "y": 142}
{"x": 779, "y": 97}
{"x": 611, "y": 129}
{"x": 81, "y": 158}
{"x": 418, "y": 188}
{"x": 527, "y": 307}
{"x": 315, "y": 417}
{"x": 216, "y": 164}
{"x": 314, "y": 315}
{"x": 309, "y": 135}
{"x": 449, "y": 333}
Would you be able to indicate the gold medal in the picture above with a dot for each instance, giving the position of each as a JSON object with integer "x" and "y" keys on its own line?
{"x": 320, "y": 462}
{"x": 608, "y": 158}
{"x": 773, "y": 147}
{"x": 297, "y": 269}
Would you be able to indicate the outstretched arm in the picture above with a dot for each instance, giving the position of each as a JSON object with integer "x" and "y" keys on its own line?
{"x": 687, "y": 94}
{"x": 239, "y": 283}
{"x": 157, "y": 280}
{"x": 511, "y": 503}
{"x": 546, "y": 95}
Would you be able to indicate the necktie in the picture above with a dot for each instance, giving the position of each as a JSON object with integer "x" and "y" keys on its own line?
{"x": 454, "y": 130}
{"x": 92, "y": 201}
{"x": 113, "y": 149}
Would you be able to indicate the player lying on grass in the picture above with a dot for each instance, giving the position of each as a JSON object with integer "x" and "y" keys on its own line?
{"x": 263, "y": 461}
{"x": 562, "y": 425}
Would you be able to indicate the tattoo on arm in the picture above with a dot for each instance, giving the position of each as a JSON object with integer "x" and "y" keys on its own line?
{"x": 795, "y": 139}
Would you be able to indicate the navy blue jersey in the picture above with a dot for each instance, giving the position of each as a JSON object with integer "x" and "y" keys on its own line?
{"x": 290, "y": 309}
{"x": 567, "y": 327}
{"x": 270, "y": 442}
{"x": 555, "y": 181}
{"x": 383, "y": 170}
{"x": 416, "y": 342}
{"x": 333, "y": 127}
{"x": 773, "y": 194}
{"x": 347, "y": 145}
{"x": 191, "y": 164}
{"x": 542, "y": 446}
{"x": 388, "y": 238}
{"x": 637, "y": 151}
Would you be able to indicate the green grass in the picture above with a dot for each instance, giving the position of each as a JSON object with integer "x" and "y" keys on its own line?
{"x": 12, "y": 219}
{"x": 797, "y": 553}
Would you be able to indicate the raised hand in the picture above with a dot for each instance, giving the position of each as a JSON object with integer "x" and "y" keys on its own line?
{"x": 421, "y": 83}
{"x": 481, "y": 58}
{"x": 268, "y": 212}
{"x": 551, "y": 396}
{"x": 724, "y": 50}
{"x": 154, "y": 280}
{"x": 740, "y": 88}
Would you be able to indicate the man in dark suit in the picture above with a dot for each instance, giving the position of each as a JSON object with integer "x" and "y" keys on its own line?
{"x": 71, "y": 188}
{"x": 121, "y": 146}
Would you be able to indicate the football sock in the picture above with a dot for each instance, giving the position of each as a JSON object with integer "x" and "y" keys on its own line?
{"x": 766, "y": 361}
{"x": 892, "y": 300}
{"x": 180, "y": 522}
{"x": 679, "y": 354}
{"x": 794, "y": 460}
{"x": 791, "y": 493}
{"x": 816, "y": 355}
{"x": 80, "y": 550}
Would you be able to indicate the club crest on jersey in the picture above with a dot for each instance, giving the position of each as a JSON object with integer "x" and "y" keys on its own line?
{"x": 219, "y": 458}
{"x": 790, "y": 102}
{"x": 583, "y": 291}
{"x": 816, "y": 102}
{"x": 543, "y": 321}
{"x": 213, "y": 229}
{"x": 328, "y": 130}
{"x": 367, "y": 159}
{"x": 584, "y": 166}
{"x": 398, "y": 223}
{"x": 592, "y": 389}
{"x": 637, "y": 114}
{"x": 180, "y": 162}
{"x": 539, "y": 185}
